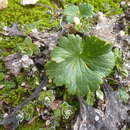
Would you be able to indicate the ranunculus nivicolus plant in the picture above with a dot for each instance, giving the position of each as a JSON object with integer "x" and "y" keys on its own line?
{"x": 84, "y": 10}
{"x": 80, "y": 63}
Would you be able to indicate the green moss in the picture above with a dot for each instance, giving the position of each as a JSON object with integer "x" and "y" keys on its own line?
{"x": 110, "y": 7}
{"x": 14, "y": 92}
{"x": 26, "y": 14}
{"x": 10, "y": 42}
{"x": 35, "y": 125}
{"x": 2, "y": 76}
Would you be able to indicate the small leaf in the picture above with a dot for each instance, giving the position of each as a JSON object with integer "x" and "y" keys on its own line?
{"x": 9, "y": 84}
{"x": 90, "y": 98}
{"x": 100, "y": 94}
{"x": 86, "y": 10}
{"x": 28, "y": 40}
{"x": 47, "y": 97}
{"x": 66, "y": 110}
{"x": 118, "y": 57}
{"x": 124, "y": 95}
{"x": 28, "y": 111}
{"x": 2, "y": 76}
{"x": 28, "y": 47}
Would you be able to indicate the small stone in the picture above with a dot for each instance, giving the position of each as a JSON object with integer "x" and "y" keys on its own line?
{"x": 45, "y": 111}
{"x": 121, "y": 33}
{"x": 26, "y": 61}
{"x": 1, "y": 86}
{"x": 23, "y": 84}
{"x": 29, "y": 2}
{"x": 5, "y": 28}
{"x": 123, "y": 3}
{"x": 34, "y": 69}
{"x": 34, "y": 30}
{"x": 5, "y": 115}
{"x": 13, "y": 63}
{"x": 48, "y": 122}
{"x": 44, "y": 88}
{"x": 128, "y": 4}
{"x": 96, "y": 118}
{"x": 3, "y": 4}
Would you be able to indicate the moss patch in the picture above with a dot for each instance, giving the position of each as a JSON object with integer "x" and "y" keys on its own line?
{"x": 26, "y": 14}
{"x": 110, "y": 7}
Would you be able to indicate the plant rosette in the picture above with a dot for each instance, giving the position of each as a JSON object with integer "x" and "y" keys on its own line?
{"x": 80, "y": 64}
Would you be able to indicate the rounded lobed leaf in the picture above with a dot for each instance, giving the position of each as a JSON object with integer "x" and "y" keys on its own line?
{"x": 80, "y": 64}
{"x": 71, "y": 12}
{"x": 86, "y": 10}
{"x": 82, "y": 11}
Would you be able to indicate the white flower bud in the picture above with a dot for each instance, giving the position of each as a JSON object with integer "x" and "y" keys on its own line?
{"x": 101, "y": 17}
{"x": 76, "y": 21}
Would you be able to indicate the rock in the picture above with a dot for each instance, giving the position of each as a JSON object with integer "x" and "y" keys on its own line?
{"x": 127, "y": 13}
{"x": 114, "y": 117}
{"x": 123, "y": 3}
{"x": 13, "y": 31}
{"x": 15, "y": 62}
{"x": 126, "y": 39}
{"x": 121, "y": 33}
{"x": 46, "y": 39}
{"x": 26, "y": 61}
{"x": 12, "y": 62}
{"x": 104, "y": 28}
{"x": 29, "y": 2}
{"x": 3, "y": 4}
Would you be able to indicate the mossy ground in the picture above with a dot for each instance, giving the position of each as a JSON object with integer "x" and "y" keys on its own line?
{"x": 110, "y": 7}
{"x": 26, "y": 14}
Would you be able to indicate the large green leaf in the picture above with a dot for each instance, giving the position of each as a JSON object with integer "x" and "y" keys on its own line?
{"x": 80, "y": 64}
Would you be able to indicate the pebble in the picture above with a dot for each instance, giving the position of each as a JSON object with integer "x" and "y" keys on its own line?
{"x": 121, "y": 33}
{"x": 29, "y": 2}
{"x": 96, "y": 118}
{"x": 5, "y": 115}
{"x": 3, "y": 4}
{"x": 123, "y": 3}
{"x": 127, "y": 40}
